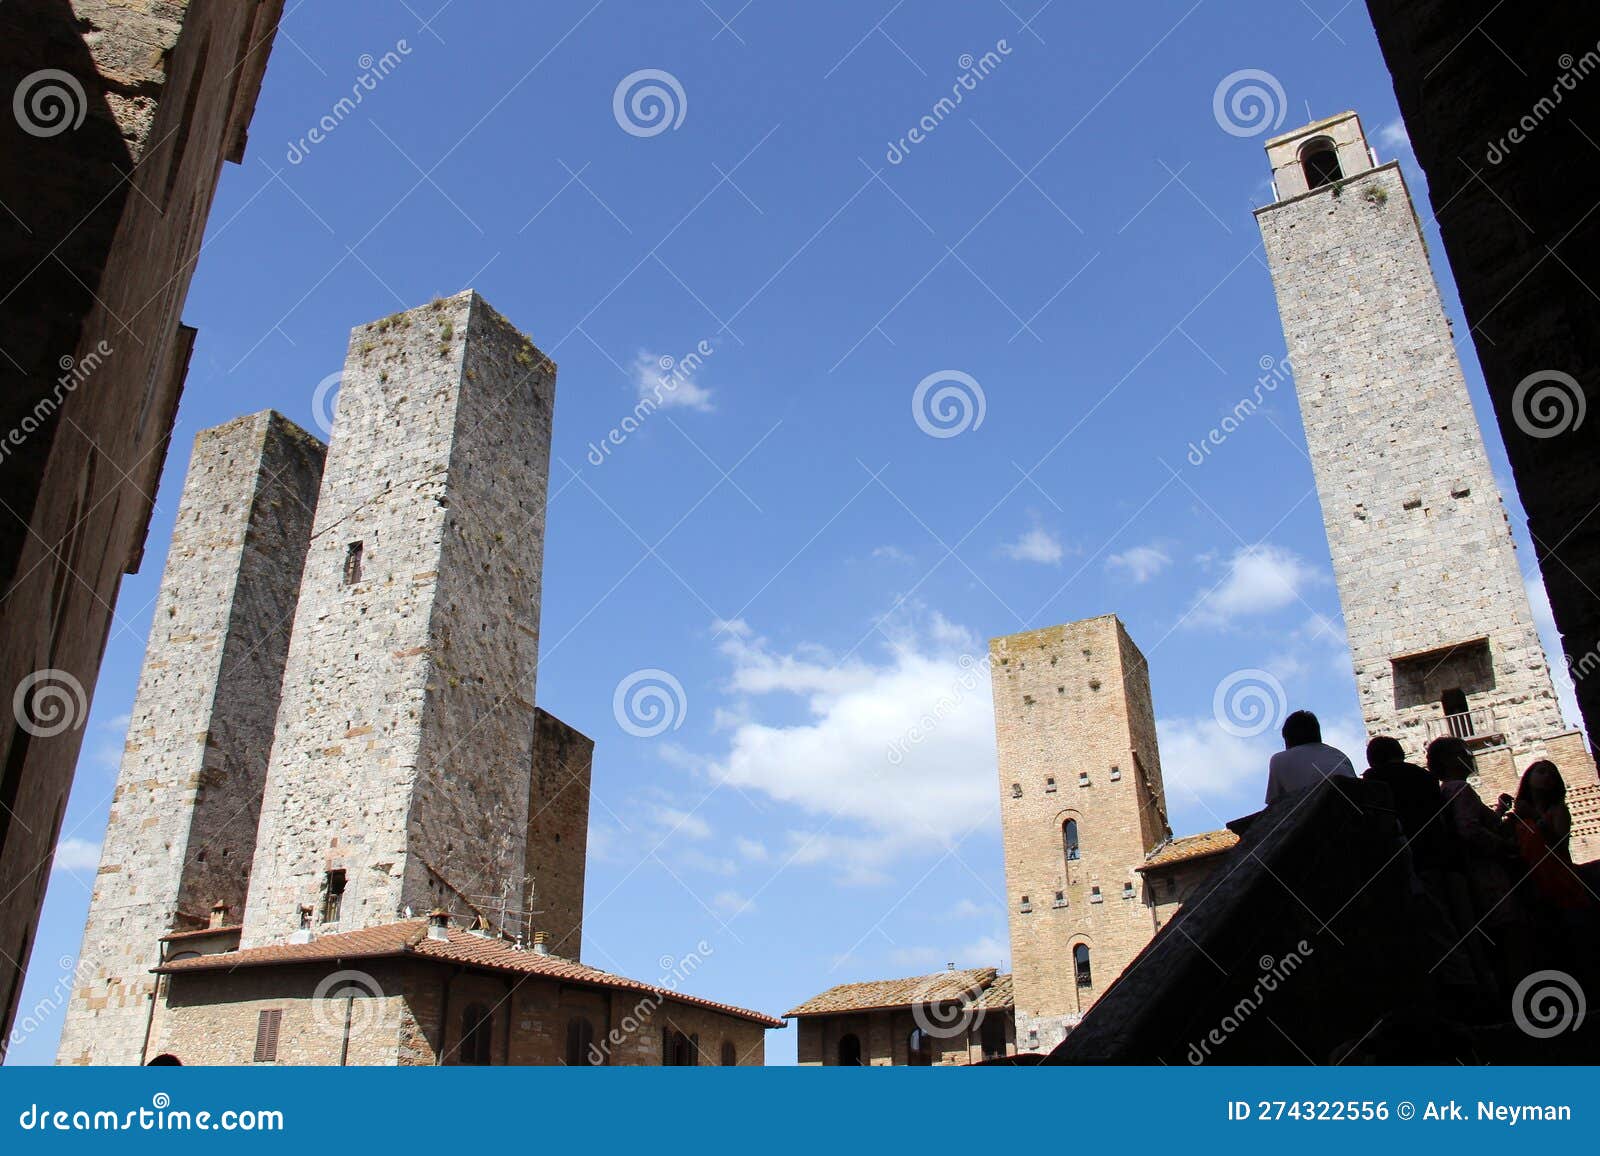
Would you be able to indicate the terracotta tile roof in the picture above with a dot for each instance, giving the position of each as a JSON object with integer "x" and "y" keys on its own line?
{"x": 409, "y": 938}
{"x": 940, "y": 987}
{"x": 996, "y": 995}
{"x": 1190, "y": 847}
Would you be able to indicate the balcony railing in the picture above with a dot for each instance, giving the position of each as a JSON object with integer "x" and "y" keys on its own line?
{"x": 1477, "y": 725}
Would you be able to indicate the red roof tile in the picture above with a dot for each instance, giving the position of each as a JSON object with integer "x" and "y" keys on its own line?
{"x": 409, "y": 938}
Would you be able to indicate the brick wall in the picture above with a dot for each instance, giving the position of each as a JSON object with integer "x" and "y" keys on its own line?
{"x": 1075, "y": 733}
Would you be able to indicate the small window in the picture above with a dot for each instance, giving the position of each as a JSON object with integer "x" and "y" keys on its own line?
{"x": 1025, "y": 906}
{"x": 268, "y": 1024}
{"x": 332, "y": 896}
{"x": 1069, "y": 839}
{"x": 1083, "y": 778}
{"x": 1050, "y": 786}
{"x": 1321, "y": 163}
{"x": 580, "y": 1043}
{"x": 730, "y": 1054}
{"x": 477, "y": 1035}
{"x": 1127, "y": 890}
{"x": 919, "y": 1049}
{"x": 1094, "y": 895}
{"x": 849, "y": 1050}
{"x": 1116, "y": 774}
{"x": 1060, "y": 899}
{"x": 1016, "y": 790}
{"x": 677, "y": 1049}
{"x": 1080, "y": 965}
{"x": 352, "y": 563}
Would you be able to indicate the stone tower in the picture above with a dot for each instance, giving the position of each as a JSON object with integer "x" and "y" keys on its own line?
{"x": 401, "y": 773}
{"x": 183, "y": 821}
{"x": 1440, "y": 629}
{"x": 1081, "y": 804}
{"x": 558, "y": 832}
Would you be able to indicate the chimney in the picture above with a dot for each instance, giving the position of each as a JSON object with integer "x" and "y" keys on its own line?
{"x": 303, "y": 933}
{"x": 538, "y": 944}
{"x": 219, "y": 913}
{"x": 439, "y": 924}
{"x": 950, "y": 966}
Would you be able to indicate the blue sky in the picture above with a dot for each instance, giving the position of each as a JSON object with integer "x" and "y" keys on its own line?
{"x": 807, "y": 566}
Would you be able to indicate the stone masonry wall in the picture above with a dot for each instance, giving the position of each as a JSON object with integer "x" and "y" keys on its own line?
{"x": 558, "y": 832}
{"x": 105, "y": 223}
{"x": 1422, "y": 550}
{"x": 405, "y": 735}
{"x": 182, "y": 830}
{"x": 1073, "y": 701}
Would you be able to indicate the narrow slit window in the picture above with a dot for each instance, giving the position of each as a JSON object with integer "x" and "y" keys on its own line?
{"x": 332, "y": 896}
{"x": 352, "y": 563}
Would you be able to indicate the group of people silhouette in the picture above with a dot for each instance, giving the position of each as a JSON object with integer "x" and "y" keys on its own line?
{"x": 1501, "y": 875}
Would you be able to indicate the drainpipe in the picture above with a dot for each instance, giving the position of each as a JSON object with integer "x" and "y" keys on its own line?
{"x": 344, "y": 1046}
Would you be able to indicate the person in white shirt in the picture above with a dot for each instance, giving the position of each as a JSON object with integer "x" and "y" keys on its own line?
{"x": 1305, "y": 759}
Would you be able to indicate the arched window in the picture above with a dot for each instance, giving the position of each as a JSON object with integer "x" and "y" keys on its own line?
{"x": 1069, "y": 839}
{"x": 165, "y": 1060}
{"x": 992, "y": 1034}
{"x": 850, "y": 1051}
{"x": 580, "y": 1044}
{"x": 1320, "y": 161}
{"x": 919, "y": 1049}
{"x": 730, "y": 1054}
{"x": 1080, "y": 965}
{"x": 677, "y": 1049}
{"x": 477, "y": 1034}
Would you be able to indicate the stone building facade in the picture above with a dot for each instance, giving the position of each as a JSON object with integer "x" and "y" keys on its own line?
{"x": 183, "y": 821}
{"x": 406, "y": 994}
{"x": 1081, "y": 807}
{"x": 952, "y": 1017}
{"x": 124, "y": 113}
{"x": 411, "y": 669}
{"x": 289, "y": 798}
{"x": 1441, "y": 632}
{"x": 1501, "y": 103}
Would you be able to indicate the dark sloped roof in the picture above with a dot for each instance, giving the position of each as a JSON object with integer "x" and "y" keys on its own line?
{"x": 1190, "y": 847}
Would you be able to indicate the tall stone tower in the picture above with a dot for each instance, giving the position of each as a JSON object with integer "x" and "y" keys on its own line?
{"x": 401, "y": 773}
{"x": 1081, "y": 804}
{"x": 1440, "y": 629}
{"x": 183, "y": 820}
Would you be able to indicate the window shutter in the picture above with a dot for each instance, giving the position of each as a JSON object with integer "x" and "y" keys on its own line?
{"x": 267, "y": 1025}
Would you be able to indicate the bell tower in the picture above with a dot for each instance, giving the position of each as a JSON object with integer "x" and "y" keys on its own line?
{"x": 1440, "y": 629}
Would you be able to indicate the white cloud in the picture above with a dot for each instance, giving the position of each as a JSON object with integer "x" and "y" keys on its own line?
{"x": 751, "y": 849}
{"x": 1544, "y": 619}
{"x": 1394, "y": 136}
{"x": 967, "y": 909}
{"x": 1260, "y": 580}
{"x": 901, "y": 749}
{"x": 682, "y": 822}
{"x": 1037, "y": 545}
{"x": 1140, "y": 563}
{"x": 732, "y": 903}
{"x": 892, "y": 554}
{"x": 670, "y": 387}
{"x": 76, "y": 855}
{"x": 1226, "y": 775}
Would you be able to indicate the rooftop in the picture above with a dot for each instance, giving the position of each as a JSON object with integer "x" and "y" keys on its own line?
{"x": 984, "y": 986}
{"x": 408, "y": 939}
{"x": 1190, "y": 847}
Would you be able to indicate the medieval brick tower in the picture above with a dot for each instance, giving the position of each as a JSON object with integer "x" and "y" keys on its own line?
{"x": 183, "y": 821}
{"x": 1440, "y": 629}
{"x": 1081, "y": 805}
{"x": 401, "y": 773}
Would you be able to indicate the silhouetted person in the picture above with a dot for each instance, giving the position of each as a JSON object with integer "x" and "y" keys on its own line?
{"x": 1489, "y": 852}
{"x": 1417, "y": 802}
{"x": 1305, "y": 759}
